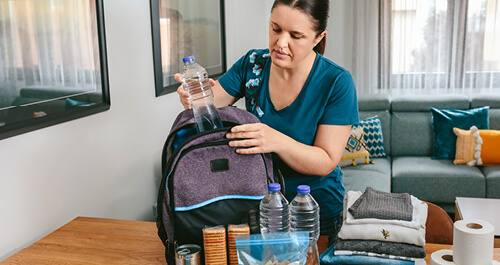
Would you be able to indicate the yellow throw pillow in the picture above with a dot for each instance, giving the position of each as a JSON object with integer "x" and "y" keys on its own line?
{"x": 355, "y": 151}
{"x": 490, "y": 151}
{"x": 468, "y": 147}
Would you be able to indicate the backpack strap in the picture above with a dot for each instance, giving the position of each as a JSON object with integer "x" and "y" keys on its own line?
{"x": 169, "y": 253}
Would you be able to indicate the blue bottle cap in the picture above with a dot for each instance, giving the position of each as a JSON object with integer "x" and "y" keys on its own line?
{"x": 303, "y": 189}
{"x": 188, "y": 59}
{"x": 274, "y": 187}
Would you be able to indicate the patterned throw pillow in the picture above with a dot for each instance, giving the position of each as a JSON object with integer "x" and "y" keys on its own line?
{"x": 355, "y": 150}
{"x": 373, "y": 137}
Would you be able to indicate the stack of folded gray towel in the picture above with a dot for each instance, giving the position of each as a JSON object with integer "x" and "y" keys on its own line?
{"x": 381, "y": 224}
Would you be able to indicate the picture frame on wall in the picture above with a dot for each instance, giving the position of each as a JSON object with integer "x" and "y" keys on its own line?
{"x": 52, "y": 70}
{"x": 182, "y": 28}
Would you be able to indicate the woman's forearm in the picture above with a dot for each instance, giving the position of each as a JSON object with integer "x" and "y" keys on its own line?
{"x": 320, "y": 158}
{"x": 306, "y": 159}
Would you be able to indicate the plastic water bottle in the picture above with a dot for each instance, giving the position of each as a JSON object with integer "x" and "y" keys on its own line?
{"x": 274, "y": 213}
{"x": 195, "y": 81}
{"x": 304, "y": 213}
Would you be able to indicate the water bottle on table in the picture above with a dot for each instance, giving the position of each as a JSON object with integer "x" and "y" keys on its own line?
{"x": 304, "y": 216}
{"x": 274, "y": 213}
{"x": 195, "y": 81}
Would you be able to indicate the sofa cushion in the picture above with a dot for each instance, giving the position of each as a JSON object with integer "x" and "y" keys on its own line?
{"x": 447, "y": 207}
{"x": 492, "y": 100}
{"x": 436, "y": 181}
{"x": 371, "y": 102}
{"x": 417, "y": 103}
{"x": 411, "y": 134}
{"x": 492, "y": 174}
{"x": 411, "y": 122}
{"x": 377, "y": 176}
{"x": 494, "y": 118}
{"x": 443, "y": 121}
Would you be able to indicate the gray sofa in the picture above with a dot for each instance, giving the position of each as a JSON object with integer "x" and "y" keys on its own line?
{"x": 408, "y": 140}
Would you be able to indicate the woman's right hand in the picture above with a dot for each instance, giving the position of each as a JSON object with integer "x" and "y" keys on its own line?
{"x": 184, "y": 96}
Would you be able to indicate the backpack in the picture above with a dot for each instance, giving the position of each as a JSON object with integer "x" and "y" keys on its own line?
{"x": 206, "y": 183}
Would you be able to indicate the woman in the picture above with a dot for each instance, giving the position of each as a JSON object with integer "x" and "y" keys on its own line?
{"x": 306, "y": 104}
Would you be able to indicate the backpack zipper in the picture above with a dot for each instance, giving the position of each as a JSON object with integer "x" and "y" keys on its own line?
{"x": 165, "y": 177}
{"x": 190, "y": 138}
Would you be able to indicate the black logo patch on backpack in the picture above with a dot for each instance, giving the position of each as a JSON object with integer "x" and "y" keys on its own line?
{"x": 206, "y": 183}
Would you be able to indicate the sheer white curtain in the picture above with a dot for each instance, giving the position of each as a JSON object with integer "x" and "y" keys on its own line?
{"x": 366, "y": 45}
{"x": 47, "y": 43}
{"x": 427, "y": 46}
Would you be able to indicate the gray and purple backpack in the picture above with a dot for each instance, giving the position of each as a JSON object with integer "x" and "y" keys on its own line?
{"x": 206, "y": 183}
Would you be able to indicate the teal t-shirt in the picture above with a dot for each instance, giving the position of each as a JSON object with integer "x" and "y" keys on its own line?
{"x": 327, "y": 97}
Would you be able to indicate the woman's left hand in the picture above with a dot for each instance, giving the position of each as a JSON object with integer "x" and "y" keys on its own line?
{"x": 318, "y": 159}
{"x": 255, "y": 138}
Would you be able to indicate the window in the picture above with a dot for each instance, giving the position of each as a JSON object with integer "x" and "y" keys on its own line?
{"x": 52, "y": 63}
{"x": 442, "y": 45}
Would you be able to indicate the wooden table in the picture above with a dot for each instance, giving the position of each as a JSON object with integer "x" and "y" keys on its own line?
{"x": 107, "y": 241}
{"x": 96, "y": 241}
{"x": 480, "y": 208}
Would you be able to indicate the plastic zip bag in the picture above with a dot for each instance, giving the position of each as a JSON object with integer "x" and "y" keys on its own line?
{"x": 273, "y": 248}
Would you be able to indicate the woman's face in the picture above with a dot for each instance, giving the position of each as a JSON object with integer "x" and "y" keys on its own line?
{"x": 291, "y": 36}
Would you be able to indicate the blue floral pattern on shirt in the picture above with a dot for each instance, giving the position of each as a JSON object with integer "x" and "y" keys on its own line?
{"x": 254, "y": 82}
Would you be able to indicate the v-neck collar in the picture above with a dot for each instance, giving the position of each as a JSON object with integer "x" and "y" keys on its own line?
{"x": 299, "y": 96}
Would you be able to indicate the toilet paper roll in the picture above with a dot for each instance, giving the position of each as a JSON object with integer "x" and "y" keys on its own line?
{"x": 473, "y": 242}
{"x": 442, "y": 257}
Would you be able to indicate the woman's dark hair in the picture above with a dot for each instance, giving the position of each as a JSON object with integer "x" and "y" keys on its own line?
{"x": 317, "y": 10}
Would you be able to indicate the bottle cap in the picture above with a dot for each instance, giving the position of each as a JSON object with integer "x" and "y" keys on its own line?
{"x": 303, "y": 189}
{"x": 188, "y": 59}
{"x": 274, "y": 187}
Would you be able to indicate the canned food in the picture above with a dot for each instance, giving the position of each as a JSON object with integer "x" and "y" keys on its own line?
{"x": 188, "y": 254}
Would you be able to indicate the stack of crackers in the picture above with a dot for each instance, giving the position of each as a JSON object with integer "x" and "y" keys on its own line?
{"x": 214, "y": 242}
{"x": 232, "y": 232}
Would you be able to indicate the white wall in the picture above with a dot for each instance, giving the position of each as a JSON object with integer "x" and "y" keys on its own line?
{"x": 339, "y": 38}
{"x": 247, "y": 24}
{"x": 108, "y": 164}
{"x": 104, "y": 165}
